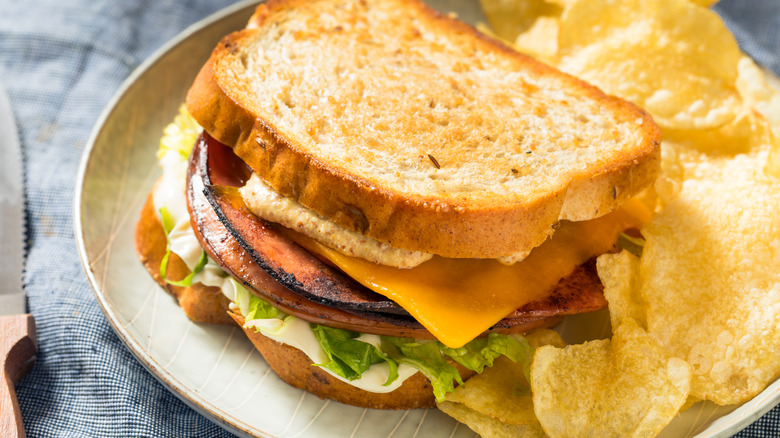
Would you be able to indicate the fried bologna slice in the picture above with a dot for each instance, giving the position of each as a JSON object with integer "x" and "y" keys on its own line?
{"x": 298, "y": 283}
{"x": 411, "y": 127}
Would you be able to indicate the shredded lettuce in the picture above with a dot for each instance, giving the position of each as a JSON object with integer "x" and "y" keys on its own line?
{"x": 257, "y": 312}
{"x": 259, "y": 309}
{"x": 634, "y": 245}
{"x": 242, "y": 296}
{"x": 481, "y": 352}
{"x": 427, "y": 358}
{"x": 168, "y": 224}
{"x": 349, "y": 357}
{"x": 180, "y": 135}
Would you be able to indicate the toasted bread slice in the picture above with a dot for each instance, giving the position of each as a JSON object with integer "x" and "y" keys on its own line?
{"x": 416, "y": 130}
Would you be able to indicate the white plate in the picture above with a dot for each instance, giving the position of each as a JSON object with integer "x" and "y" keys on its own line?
{"x": 215, "y": 369}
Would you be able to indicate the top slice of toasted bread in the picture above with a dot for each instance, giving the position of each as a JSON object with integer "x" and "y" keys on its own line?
{"x": 413, "y": 128}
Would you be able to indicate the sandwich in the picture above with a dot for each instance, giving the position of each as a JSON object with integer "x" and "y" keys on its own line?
{"x": 385, "y": 199}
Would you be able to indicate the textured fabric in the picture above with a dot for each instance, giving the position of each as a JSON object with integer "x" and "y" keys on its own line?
{"x": 61, "y": 61}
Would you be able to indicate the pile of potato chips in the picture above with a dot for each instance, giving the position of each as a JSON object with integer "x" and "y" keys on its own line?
{"x": 697, "y": 316}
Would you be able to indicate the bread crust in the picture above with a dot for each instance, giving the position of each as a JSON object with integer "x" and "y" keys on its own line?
{"x": 480, "y": 226}
{"x": 295, "y": 368}
{"x": 200, "y": 303}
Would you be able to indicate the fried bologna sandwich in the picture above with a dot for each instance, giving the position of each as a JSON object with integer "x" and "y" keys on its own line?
{"x": 386, "y": 199}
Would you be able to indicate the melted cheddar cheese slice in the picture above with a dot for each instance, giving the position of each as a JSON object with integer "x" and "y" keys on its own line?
{"x": 458, "y": 299}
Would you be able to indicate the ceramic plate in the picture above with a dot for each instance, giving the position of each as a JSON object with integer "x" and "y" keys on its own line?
{"x": 215, "y": 369}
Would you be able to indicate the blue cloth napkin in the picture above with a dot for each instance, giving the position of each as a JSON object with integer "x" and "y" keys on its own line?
{"x": 61, "y": 61}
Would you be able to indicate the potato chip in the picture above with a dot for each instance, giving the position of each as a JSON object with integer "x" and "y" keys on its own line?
{"x": 487, "y": 426}
{"x": 690, "y": 402}
{"x": 757, "y": 92}
{"x": 620, "y": 275}
{"x": 696, "y": 317}
{"x": 540, "y": 40}
{"x": 711, "y": 281}
{"x": 772, "y": 168}
{"x": 670, "y": 179}
{"x": 502, "y": 394}
{"x": 627, "y": 386}
{"x": 673, "y": 58}
{"x": 684, "y": 152}
{"x": 563, "y": 3}
{"x": 510, "y": 18}
{"x": 498, "y": 402}
{"x": 540, "y": 337}
{"x": 747, "y": 132}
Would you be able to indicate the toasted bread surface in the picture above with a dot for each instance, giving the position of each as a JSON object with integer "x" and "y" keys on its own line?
{"x": 414, "y": 129}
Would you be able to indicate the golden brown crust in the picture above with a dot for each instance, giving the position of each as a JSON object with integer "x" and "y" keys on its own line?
{"x": 480, "y": 227}
{"x": 200, "y": 303}
{"x": 295, "y": 368}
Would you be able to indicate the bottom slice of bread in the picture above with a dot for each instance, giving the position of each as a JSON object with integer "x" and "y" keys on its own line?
{"x": 200, "y": 303}
{"x": 295, "y": 368}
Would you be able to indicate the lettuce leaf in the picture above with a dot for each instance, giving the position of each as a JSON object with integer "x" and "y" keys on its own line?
{"x": 180, "y": 135}
{"x": 259, "y": 309}
{"x": 349, "y": 357}
{"x": 168, "y": 224}
{"x": 427, "y": 358}
{"x": 634, "y": 245}
{"x": 481, "y": 352}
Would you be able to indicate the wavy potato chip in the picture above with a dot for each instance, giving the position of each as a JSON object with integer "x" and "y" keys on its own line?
{"x": 510, "y": 18}
{"x": 747, "y": 132}
{"x": 620, "y": 275}
{"x": 711, "y": 281}
{"x": 673, "y": 58}
{"x": 501, "y": 393}
{"x": 497, "y": 403}
{"x": 772, "y": 168}
{"x": 540, "y": 40}
{"x": 757, "y": 93}
{"x": 626, "y": 386}
{"x": 487, "y": 426}
{"x": 541, "y": 337}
